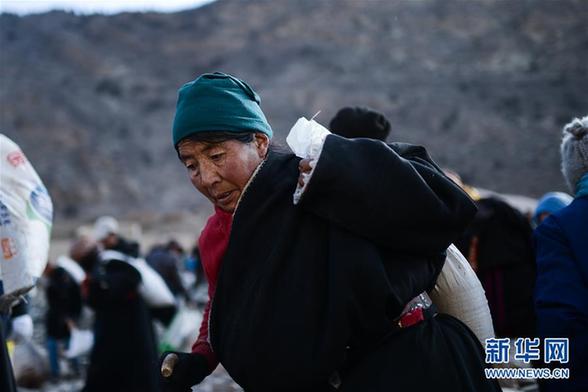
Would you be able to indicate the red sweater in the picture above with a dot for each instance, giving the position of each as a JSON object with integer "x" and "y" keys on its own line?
{"x": 213, "y": 244}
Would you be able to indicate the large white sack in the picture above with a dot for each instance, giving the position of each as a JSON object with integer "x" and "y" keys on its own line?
{"x": 72, "y": 268}
{"x": 152, "y": 288}
{"x": 459, "y": 293}
{"x": 26, "y": 215}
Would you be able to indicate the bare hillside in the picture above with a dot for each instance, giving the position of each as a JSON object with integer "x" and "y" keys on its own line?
{"x": 486, "y": 85}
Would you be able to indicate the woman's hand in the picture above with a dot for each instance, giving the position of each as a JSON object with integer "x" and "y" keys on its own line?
{"x": 180, "y": 371}
{"x": 304, "y": 167}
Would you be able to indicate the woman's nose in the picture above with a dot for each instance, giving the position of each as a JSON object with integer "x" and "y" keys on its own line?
{"x": 209, "y": 176}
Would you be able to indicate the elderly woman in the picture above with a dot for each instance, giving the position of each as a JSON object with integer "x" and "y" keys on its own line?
{"x": 561, "y": 294}
{"x": 328, "y": 292}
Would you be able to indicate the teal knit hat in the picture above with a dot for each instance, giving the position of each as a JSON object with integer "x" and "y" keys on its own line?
{"x": 218, "y": 102}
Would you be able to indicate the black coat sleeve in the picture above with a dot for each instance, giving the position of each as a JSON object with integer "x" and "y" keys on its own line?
{"x": 393, "y": 195}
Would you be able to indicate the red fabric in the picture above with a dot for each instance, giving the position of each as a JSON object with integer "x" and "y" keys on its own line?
{"x": 411, "y": 318}
{"x": 213, "y": 244}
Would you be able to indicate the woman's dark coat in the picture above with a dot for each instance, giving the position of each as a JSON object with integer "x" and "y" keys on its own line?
{"x": 306, "y": 290}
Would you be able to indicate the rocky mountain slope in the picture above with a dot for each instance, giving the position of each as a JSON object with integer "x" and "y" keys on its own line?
{"x": 486, "y": 85}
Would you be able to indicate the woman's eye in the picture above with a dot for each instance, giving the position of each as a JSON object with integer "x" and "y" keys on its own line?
{"x": 216, "y": 157}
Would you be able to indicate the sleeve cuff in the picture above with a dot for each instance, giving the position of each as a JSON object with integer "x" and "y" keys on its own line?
{"x": 204, "y": 349}
{"x": 316, "y": 149}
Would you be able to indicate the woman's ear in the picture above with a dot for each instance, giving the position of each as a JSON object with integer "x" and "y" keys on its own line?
{"x": 261, "y": 141}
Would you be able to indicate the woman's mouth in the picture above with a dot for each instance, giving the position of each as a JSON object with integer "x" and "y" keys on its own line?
{"x": 223, "y": 198}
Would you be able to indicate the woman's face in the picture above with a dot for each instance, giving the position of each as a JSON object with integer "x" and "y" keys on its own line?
{"x": 220, "y": 171}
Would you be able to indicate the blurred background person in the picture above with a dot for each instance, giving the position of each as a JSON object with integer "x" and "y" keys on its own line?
{"x": 194, "y": 264}
{"x": 353, "y": 122}
{"x": 548, "y": 204}
{"x": 107, "y": 233}
{"x": 64, "y": 307}
{"x": 561, "y": 241}
{"x": 124, "y": 355}
{"x": 498, "y": 245}
{"x": 165, "y": 259}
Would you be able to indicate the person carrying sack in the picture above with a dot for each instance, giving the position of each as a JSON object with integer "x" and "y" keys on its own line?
{"x": 318, "y": 267}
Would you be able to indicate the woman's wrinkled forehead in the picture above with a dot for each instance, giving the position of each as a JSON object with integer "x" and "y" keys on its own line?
{"x": 198, "y": 144}
{"x": 205, "y": 141}
{"x": 188, "y": 148}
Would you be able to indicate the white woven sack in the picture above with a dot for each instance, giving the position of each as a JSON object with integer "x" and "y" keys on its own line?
{"x": 153, "y": 288}
{"x": 459, "y": 293}
{"x": 26, "y": 215}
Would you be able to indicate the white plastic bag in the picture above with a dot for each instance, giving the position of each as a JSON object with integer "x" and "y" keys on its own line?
{"x": 26, "y": 215}
{"x": 306, "y": 137}
{"x": 182, "y": 331}
{"x": 80, "y": 342}
{"x": 459, "y": 293}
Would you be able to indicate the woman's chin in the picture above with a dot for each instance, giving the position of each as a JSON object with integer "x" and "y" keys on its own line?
{"x": 229, "y": 209}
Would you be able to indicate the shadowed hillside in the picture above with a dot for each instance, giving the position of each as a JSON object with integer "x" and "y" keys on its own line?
{"x": 485, "y": 85}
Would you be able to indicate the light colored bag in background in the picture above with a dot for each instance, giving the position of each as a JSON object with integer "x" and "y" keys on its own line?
{"x": 459, "y": 293}
{"x": 182, "y": 331}
{"x": 80, "y": 342}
